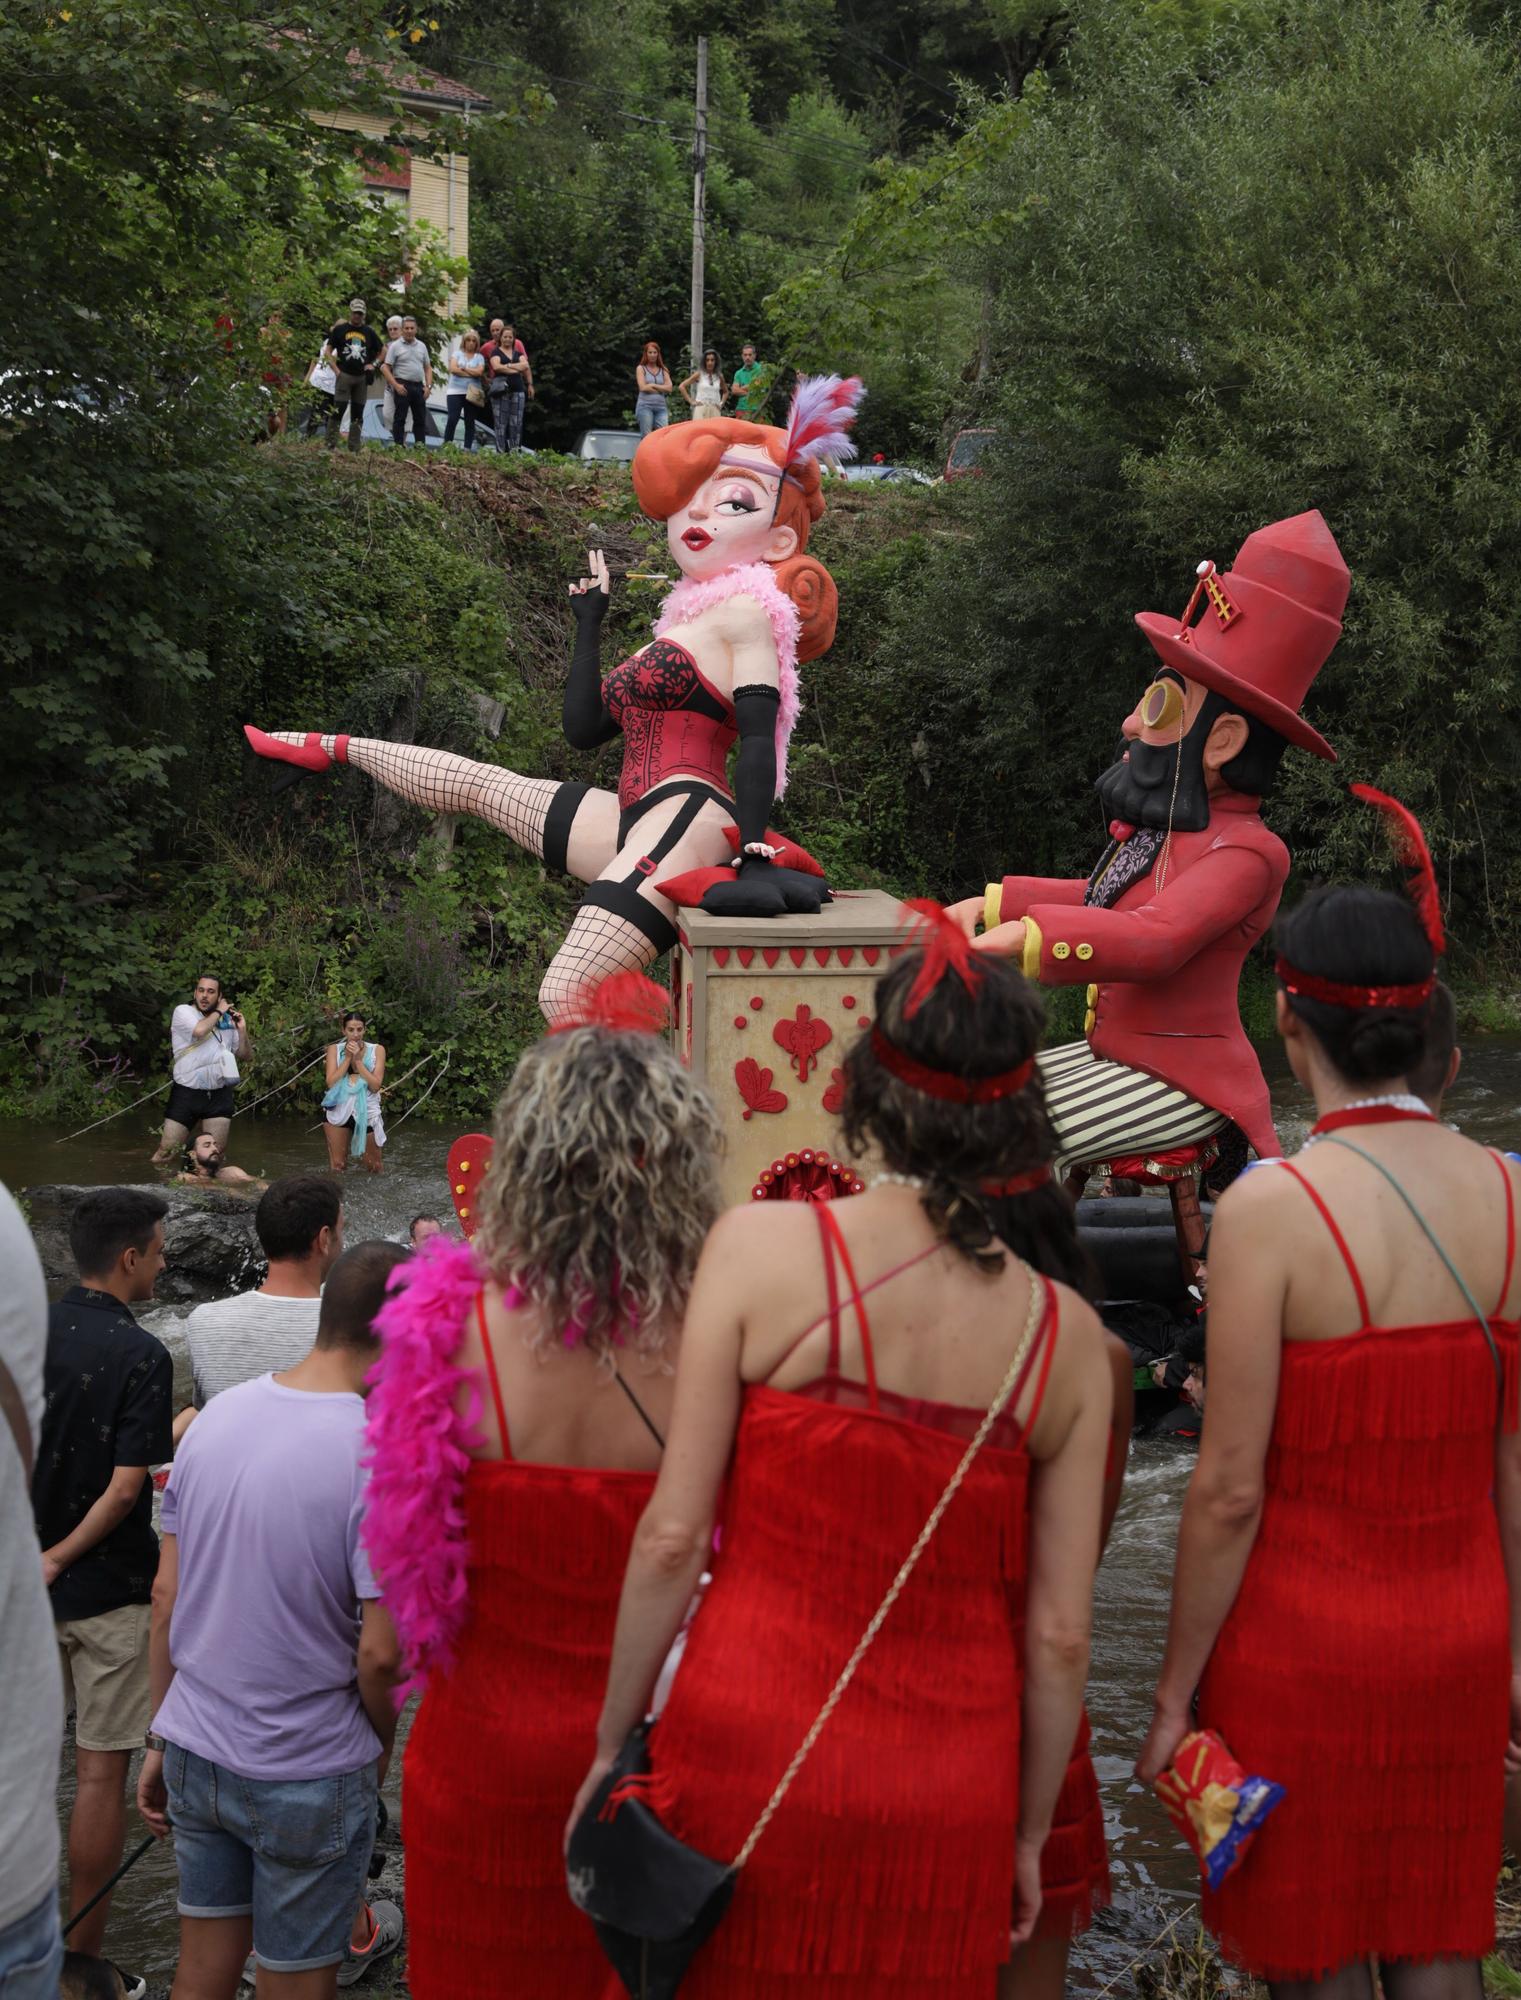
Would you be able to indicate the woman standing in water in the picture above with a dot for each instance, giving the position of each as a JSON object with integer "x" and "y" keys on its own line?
{"x": 833, "y": 1427}
{"x": 513, "y": 1436}
{"x": 1341, "y": 1602}
{"x": 354, "y": 1126}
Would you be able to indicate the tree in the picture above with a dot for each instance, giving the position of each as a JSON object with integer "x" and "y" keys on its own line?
{"x": 172, "y": 214}
{"x": 1266, "y": 273}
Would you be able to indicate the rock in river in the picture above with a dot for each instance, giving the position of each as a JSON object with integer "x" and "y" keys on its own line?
{"x": 209, "y": 1243}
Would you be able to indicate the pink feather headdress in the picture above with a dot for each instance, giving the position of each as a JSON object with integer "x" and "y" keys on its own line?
{"x": 818, "y": 422}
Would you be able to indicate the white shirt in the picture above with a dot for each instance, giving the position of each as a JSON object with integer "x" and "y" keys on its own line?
{"x": 31, "y": 1693}
{"x": 207, "y": 1064}
{"x": 233, "y": 1340}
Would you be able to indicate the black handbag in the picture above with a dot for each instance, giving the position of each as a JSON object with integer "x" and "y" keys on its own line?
{"x": 654, "y": 1900}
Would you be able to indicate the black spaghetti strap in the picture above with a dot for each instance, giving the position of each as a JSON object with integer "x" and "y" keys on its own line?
{"x": 644, "y": 1415}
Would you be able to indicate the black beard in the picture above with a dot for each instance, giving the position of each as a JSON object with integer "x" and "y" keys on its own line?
{"x": 1139, "y": 789}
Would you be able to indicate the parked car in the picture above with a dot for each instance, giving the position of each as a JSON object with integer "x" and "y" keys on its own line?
{"x": 620, "y": 445}
{"x": 375, "y": 431}
{"x": 968, "y": 449}
{"x": 891, "y": 475}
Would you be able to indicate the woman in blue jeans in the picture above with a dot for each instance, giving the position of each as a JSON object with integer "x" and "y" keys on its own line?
{"x": 651, "y": 410}
{"x": 467, "y": 366}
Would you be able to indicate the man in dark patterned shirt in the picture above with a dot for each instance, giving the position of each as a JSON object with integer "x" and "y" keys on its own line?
{"x": 106, "y": 1421}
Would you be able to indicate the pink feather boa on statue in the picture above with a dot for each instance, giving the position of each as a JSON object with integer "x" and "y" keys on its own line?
{"x": 690, "y": 598}
{"x": 418, "y": 1448}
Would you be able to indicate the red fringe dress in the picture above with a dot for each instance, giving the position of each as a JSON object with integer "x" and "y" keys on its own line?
{"x": 1365, "y": 1664}
{"x": 887, "y": 1873}
{"x": 504, "y": 1735}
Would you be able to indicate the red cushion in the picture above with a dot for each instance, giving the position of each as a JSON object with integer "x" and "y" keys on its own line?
{"x": 687, "y": 891}
{"x": 789, "y": 854}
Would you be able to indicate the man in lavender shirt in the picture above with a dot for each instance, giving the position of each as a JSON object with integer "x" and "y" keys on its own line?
{"x": 273, "y": 1663}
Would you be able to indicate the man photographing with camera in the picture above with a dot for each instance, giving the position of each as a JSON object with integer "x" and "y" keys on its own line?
{"x": 207, "y": 1036}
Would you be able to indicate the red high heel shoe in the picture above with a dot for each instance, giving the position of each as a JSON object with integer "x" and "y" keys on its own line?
{"x": 306, "y": 756}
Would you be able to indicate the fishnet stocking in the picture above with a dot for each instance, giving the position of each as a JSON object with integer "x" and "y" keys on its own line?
{"x": 1442, "y": 1979}
{"x": 438, "y": 781}
{"x": 1352, "y": 1982}
{"x": 600, "y": 942}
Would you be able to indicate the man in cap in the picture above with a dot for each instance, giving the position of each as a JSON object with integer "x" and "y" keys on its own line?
{"x": 1192, "y": 877}
{"x": 353, "y": 347}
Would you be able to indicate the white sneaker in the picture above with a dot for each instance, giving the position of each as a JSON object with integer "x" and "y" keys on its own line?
{"x": 385, "y": 1936}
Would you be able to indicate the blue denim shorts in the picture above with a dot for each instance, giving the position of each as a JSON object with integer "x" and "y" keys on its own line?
{"x": 31, "y": 1954}
{"x": 290, "y": 1852}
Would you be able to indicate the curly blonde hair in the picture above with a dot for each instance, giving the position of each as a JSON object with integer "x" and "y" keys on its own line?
{"x": 602, "y": 1187}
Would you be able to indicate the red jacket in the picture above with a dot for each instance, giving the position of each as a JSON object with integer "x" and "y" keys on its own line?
{"x": 1166, "y": 962}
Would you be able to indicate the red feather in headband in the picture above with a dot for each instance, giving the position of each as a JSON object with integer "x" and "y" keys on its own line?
{"x": 1411, "y": 851}
{"x": 625, "y": 1003}
{"x": 946, "y": 948}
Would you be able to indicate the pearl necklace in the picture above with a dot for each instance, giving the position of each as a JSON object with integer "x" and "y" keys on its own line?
{"x": 1396, "y": 1100}
{"x": 898, "y": 1180}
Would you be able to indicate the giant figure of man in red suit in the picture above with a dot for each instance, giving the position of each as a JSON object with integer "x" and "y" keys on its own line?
{"x": 1192, "y": 877}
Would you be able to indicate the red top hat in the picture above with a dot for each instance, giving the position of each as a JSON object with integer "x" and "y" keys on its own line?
{"x": 1268, "y": 625}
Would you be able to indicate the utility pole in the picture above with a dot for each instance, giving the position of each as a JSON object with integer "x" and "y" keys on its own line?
{"x": 699, "y": 179}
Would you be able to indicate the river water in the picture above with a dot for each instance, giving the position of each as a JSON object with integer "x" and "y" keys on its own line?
{"x": 1154, "y": 1877}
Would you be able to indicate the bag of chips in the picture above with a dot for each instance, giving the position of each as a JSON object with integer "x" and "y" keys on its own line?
{"x": 1212, "y": 1802}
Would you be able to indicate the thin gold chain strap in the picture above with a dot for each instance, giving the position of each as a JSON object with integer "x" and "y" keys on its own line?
{"x": 895, "y": 1588}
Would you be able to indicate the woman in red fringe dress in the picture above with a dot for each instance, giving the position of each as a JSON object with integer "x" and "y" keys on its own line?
{"x": 1341, "y": 1602}
{"x": 509, "y": 1470}
{"x": 836, "y": 1361}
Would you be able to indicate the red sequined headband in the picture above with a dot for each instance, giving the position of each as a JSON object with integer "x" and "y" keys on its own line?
{"x": 942, "y": 1083}
{"x": 1333, "y": 993}
{"x": 1411, "y": 851}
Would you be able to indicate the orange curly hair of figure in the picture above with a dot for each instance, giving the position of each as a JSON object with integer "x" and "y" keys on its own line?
{"x": 671, "y": 464}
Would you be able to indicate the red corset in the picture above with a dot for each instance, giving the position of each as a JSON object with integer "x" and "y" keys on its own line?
{"x": 673, "y": 721}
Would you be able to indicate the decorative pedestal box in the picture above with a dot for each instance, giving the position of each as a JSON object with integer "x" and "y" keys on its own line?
{"x": 765, "y": 1010}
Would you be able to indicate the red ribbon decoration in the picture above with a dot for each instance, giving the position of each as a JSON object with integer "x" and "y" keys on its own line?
{"x": 942, "y": 1083}
{"x": 624, "y": 1003}
{"x": 1333, "y": 993}
{"x": 946, "y": 948}
{"x": 1411, "y": 851}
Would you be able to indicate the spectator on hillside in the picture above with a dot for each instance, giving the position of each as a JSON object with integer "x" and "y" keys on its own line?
{"x": 273, "y": 1669}
{"x": 206, "y": 1164}
{"x": 705, "y": 389}
{"x": 509, "y": 384}
{"x": 467, "y": 371}
{"x": 409, "y": 378}
{"x": 31, "y": 1692}
{"x": 207, "y": 1037}
{"x": 322, "y": 380}
{"x": 421, "y": 1228}
{"x": 750, "y": 391}
{"x": 299, "y": 1224}
{"x": 353, "y": 347}
{"x": 388, "y": 400}
{"x": 106, "y": 1422}
{"x": 652, "y": 410}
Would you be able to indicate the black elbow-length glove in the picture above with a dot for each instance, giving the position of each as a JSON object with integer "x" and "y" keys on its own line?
{"x": 584, "y": 717}
{"x": 760, "y": 888}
